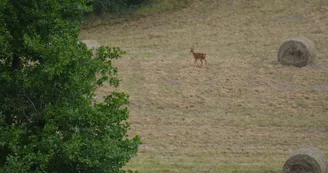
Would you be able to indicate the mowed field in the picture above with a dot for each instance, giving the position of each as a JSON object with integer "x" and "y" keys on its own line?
{"x": 244, "y": 112}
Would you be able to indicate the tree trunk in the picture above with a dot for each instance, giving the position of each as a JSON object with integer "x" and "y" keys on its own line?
{"x": 16, "y": 62}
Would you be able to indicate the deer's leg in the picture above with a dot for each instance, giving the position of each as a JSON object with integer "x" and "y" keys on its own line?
{"x": 195, "y": 61}
{"x": 205, "y": 61}
{"x": 201, "y": 64}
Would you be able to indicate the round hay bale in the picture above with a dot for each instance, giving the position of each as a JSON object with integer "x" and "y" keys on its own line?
{"x": 306, "y": 160}
{"x": 297, "y": 51}
{"x": 92, "y": 44}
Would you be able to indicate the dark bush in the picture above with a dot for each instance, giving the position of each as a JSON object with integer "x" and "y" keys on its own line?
{"x": 115, "y": 6}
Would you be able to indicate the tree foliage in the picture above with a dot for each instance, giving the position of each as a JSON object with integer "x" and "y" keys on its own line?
{"x": 48, "y": 122}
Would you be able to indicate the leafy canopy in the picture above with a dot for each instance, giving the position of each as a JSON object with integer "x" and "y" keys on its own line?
{"x": 48, "y": 120}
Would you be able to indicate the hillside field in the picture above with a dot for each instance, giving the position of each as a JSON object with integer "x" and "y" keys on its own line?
{"x": 244, "y": 112}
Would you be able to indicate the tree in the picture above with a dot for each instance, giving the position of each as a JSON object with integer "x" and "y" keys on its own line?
{"x": 48, "y": 122}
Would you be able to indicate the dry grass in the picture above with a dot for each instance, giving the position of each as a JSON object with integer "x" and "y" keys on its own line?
{"x": 245, "y": 112}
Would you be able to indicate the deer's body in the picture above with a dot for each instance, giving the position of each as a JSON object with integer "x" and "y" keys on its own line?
{"x": 198, "y": 56}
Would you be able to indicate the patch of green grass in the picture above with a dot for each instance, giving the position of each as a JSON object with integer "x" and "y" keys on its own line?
{"x": 205, "y": 163}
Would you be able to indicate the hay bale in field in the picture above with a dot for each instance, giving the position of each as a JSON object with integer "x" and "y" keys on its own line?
{"x": 297, "y": 51}
{"x": 306, "y": 160}
{"x": 92, "y": 44}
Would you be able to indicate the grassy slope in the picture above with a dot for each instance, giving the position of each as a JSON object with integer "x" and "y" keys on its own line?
{"x": 245, "y": 112}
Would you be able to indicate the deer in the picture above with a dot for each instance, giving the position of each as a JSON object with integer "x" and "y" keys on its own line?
{"x": 198, "y": 56}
